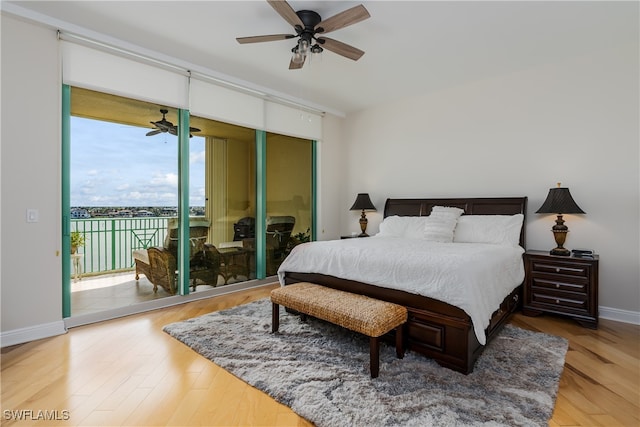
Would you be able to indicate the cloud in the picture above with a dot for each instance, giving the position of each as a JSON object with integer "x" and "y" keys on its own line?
{"x": 197, "y": 157}
{"x": 165, "y": 179}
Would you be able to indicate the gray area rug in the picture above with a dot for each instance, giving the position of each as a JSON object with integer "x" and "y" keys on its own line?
{"x": 321, "y": 371}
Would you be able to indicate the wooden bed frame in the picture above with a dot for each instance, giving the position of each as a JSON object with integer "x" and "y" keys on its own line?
{"x": 434, "y": 328}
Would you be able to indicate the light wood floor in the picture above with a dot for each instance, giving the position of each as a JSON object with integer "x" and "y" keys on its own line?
{"x": 128, "y": 372}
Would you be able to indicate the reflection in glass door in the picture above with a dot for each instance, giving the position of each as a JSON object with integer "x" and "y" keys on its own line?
{"x": 288, "y": 196}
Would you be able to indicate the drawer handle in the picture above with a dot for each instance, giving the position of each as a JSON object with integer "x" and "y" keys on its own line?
{"x": 557, "y": 301}
{"x": 557, "y": 285}
{"x": 558, "y": 269}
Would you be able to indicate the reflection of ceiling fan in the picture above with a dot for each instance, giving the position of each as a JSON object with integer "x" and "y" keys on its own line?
{"x": 308, "y": 24}
{"x": 164, "y": 125}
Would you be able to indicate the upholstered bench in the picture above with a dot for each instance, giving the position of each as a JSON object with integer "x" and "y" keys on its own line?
{"x": 358, "y": 313}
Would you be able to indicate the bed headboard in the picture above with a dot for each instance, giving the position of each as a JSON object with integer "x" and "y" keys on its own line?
{"x": 471, "y": 206}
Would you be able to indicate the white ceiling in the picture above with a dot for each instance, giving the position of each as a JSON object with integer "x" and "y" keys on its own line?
{"x": 411, "y": 46}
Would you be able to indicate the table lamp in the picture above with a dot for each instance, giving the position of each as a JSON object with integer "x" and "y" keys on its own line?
{"x": 559, "y": 201}
{"x": 363, "y": 202}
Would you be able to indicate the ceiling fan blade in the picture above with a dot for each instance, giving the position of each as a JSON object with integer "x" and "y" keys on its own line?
{"x": 296, "y": 66}
{"x": 341, "y": 48}
{"x": 173, "y": 130}
{"x": 194, "y": 130}
{"x": 267, "y": 38}
{"x": 343, "y": 19}
{"x": 286, "y": 11}
{"x": 154, "y": 132}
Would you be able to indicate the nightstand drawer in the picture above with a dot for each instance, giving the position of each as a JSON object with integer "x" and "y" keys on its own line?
{"x": 573, "y": 269}
{"x": 562, "y": 303}
{"x": 577, "y": 286}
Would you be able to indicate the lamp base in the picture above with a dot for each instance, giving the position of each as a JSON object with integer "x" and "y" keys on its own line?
{"x": 560, "y": 235}
{"x": 560, "y": 252}
{"x": 363, "y": 224}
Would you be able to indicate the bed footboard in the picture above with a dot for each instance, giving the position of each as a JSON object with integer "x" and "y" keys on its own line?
{"x": 435, "y": 329}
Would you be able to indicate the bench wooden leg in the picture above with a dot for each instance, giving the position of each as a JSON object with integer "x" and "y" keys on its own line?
{"x": 374, "y": 356}
{"x": 275, "y": 317}
{"x": 399, "y": 343}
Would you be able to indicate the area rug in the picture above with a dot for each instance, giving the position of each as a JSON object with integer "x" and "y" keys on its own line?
{"x": 321, "y": 371}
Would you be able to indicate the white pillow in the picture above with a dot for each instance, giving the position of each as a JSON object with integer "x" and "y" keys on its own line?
{"x": 446, "y": 211}
{"x": 497, "y": 229}
{"x": 439, "y": 229}
{"x": 410, "y": 227}
{"x": 441, "y": 223}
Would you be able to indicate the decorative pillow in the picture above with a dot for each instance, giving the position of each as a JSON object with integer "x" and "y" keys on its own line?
{"x": 447, "y": 211}
{"x": 440, "y": 225}
{"x": 497, "y": 229}
{"x": 410, "y": 227}
{"x": 439, "y": 229}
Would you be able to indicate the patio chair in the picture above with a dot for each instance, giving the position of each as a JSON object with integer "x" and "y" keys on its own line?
{"x": 159, "y": 264}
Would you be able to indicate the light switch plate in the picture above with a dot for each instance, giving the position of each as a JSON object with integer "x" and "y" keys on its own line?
{"x": 32, "y": 215}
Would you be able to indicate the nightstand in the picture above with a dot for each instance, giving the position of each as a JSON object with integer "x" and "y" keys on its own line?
{"x": 561, "y": 285}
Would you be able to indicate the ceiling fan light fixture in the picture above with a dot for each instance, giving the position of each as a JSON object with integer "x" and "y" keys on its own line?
{"x": 297, "y": 57}
{"x": 303, "y": 46}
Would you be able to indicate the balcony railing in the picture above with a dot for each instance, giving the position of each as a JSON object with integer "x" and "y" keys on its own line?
{"x": 110, "y": 242}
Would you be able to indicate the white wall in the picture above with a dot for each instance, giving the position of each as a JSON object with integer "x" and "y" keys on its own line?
{"x": 332, "y": 167}
{"x": 30, "y": 178}
{"x": 574, "y": 122}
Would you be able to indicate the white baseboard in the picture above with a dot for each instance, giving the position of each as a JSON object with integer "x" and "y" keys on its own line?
{"x": 37, "y": 332}
{"x": 625, "y": 316}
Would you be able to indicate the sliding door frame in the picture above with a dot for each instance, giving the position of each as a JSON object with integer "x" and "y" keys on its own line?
{"x": 65, "y": 161}
{"x": 261, "y": 204}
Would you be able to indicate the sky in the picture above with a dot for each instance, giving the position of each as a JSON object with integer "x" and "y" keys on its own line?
{"x": 117, "y": 165}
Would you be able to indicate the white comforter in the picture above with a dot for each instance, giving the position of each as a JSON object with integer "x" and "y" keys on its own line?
{"x": 475, "y": 277}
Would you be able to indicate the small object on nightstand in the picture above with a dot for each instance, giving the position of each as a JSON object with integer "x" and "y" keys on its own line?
{"x": 582, "y": 253}
{"x": 561, "y": 285}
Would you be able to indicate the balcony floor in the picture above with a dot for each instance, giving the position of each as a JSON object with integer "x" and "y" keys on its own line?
{"x": 93, "y": 294}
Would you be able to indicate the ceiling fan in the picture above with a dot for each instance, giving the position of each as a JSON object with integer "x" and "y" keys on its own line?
{"x": 310, "y": 28}
{"x": 164, "y": 126}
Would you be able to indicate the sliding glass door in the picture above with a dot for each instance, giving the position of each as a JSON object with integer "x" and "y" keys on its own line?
{"x": 123, "y": 199}
{"x": 288, "y": 196}
{"x": 229, "y": 195}
{"x": 158, "y": 203}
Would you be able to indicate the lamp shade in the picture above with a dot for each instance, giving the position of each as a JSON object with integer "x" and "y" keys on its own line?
{"x": 363, "y": 202}
{"x": 559, "y": 201}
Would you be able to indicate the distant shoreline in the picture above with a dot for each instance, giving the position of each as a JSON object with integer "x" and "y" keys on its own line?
{"x": 86, "y": 212}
